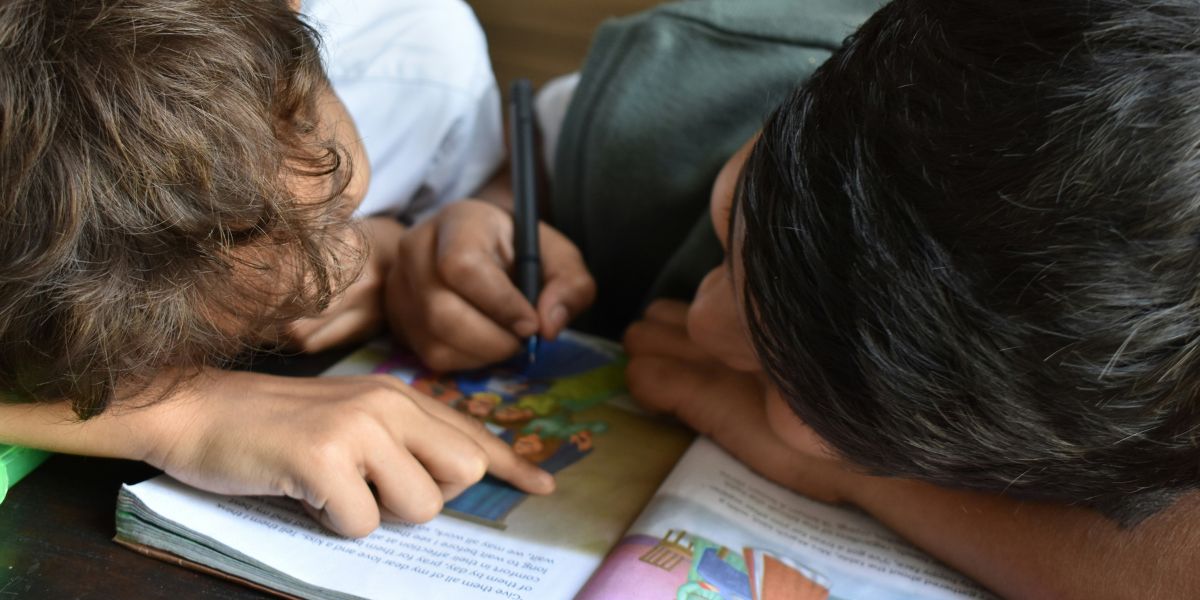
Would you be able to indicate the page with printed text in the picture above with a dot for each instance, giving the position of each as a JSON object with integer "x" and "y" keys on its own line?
{"x": 715, "y": 529}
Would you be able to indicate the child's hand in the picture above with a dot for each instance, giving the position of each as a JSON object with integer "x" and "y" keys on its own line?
{"x": 354, "y": 448}
{"x": 357, "y": 313}
{"x": 450, "y": 296}
{"x": 669, "y": 373}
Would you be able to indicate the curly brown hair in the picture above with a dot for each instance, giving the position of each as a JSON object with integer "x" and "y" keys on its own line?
{"x": 149, "y": 151}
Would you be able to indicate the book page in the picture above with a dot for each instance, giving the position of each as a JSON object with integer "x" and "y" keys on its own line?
{"x": 567, "y": 412}
{"x": 715, "y": 529}
{"x": 447, "y": 558}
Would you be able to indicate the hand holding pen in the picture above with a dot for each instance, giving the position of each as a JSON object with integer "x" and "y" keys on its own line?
{"x": 451, "y": 297}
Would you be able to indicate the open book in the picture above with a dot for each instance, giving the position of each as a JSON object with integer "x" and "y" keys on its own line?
{"x": 642, "y": 511}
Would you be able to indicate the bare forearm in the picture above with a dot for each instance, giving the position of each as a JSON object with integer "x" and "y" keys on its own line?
{"x": 115, "y": 434}
{"x": 1034, "y": 550}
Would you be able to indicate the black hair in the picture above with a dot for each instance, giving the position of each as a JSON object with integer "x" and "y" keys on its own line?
{"x": 972, "y": 248}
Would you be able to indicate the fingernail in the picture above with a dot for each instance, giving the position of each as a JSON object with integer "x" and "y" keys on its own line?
{"x": 558, "y": 316}
{"x": 525, "y": 327}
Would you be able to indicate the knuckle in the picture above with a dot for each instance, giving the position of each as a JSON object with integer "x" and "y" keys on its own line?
{"x": 459, "y": 266}
{"x": 364, "y": 411}
{"x": 384, "y": 395}
{"x": 586, "y": 286}
{"x": 476, "y": 429}
{"x": 439, "y": 357}
{"x": 376, "y": 381}
{"x": 441, "y": 316}
{"x": 378, "y": 387}
{"x": 635, "y": 338}
{"x": 579, "y": 287}
{"x": 326, "y": 454}
{"x": 478, "y": 470}
{"x": 472, "y": 466}
{"x": 425, "y": 508}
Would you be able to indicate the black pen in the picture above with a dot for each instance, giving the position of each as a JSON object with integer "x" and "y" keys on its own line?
{"x": 527, "y": 270}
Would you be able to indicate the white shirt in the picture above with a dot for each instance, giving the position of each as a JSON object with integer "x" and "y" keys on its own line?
{"x": 415, "y": 76}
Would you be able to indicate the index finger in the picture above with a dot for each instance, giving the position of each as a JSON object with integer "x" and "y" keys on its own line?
{"x": 481, "y": 278}
{"x": 503, "y": 462}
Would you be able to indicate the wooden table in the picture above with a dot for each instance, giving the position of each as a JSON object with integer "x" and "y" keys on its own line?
{"x": 56, "y": 529}
{"x": 57, "y": 524}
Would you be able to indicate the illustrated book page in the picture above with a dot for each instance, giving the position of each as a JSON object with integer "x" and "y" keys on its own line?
{"x": 716, "y": 530}
{"x": 567, "y": 412}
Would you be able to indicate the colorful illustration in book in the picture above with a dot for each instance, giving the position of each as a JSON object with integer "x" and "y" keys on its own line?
{"x": 681, "y": 566}
{"x": 534, "y": 407}
{"x": 780, "y": 578}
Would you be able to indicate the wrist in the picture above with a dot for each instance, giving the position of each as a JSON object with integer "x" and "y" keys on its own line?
{"x": 872, "y": 493}
{"x": 383, "y": 235}
{"x": 164, "y": 417}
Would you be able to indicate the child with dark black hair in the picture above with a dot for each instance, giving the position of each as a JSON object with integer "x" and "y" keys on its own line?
{"x": 984, "y": 244}
{"x": 962, "y": 284}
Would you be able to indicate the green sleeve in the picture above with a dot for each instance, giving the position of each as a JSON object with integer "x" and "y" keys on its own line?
{"x": 16, "y": 462}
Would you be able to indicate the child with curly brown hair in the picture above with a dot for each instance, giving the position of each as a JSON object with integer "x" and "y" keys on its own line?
{"x": 178, "y": 186}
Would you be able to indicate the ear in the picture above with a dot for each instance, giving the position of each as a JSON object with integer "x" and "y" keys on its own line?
{"x": 295, "y": 4}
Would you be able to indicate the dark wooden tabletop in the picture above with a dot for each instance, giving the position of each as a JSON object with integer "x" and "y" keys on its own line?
{"x": 56, "y": 529}
{"x": 57, "y": 524}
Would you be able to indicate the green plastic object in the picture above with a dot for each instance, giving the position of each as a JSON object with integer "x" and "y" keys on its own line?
{"x": 15, "y": 463}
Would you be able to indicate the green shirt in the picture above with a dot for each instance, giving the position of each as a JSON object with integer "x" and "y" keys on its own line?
{"x": 666, "y": 96}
